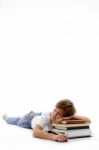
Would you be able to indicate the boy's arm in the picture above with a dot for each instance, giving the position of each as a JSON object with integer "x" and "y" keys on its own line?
{"x": 39, "y": 133}
{"x": 83, "y": 118}
{"x": 72, "y": 119}
{"x": 62, "y": 118}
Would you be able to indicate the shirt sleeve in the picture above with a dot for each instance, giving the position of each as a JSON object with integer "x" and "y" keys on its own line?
{"x": 43, "y": 120}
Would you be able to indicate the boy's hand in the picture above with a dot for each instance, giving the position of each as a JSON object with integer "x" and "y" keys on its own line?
{"x": 60, "y": 119}
{"x": 60, "y": 138}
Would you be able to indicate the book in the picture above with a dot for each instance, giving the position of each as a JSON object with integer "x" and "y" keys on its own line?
{"x": 73, "y": 133}
{"x": 64, "y": 126}
{"x": 72, "y": 130}
{"x": 72, "y": 121}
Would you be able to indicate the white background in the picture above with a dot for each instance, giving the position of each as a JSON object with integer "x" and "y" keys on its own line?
{"x": 49, "y": 51}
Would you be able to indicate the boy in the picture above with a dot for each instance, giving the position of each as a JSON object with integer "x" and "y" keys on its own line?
{"x": 42, "y": 122}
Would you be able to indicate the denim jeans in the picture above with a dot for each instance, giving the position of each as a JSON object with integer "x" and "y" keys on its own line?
{"x": 24, "y": 122}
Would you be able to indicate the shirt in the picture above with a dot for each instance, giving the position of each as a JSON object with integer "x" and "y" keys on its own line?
{"x": 44, "y": 120}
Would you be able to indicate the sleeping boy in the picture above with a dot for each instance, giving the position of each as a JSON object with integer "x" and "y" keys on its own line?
{"x": 41, "y": 123}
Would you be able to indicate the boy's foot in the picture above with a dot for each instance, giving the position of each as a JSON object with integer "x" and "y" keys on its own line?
{"x": 5, "y": 116}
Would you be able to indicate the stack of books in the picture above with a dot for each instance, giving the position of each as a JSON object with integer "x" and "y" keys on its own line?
{"x": 72, "y": 128}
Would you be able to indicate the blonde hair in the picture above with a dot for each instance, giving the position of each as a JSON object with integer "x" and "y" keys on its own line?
{"x": 67, "y": 106}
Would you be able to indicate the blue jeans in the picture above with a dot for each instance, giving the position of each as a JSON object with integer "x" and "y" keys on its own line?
{"x": 24, "y": 122}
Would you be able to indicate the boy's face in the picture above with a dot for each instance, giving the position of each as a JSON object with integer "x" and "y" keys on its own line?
{"x": 57, "y": 113}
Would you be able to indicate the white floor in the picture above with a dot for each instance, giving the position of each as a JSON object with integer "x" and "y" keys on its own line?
{"x": 14, "y": 138}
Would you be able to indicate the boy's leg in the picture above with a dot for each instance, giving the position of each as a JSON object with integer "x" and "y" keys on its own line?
{"x": 11, "y": 120}
{"x": 26, "y": 120}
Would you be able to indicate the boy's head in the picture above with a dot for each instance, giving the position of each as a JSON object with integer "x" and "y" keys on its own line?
{"x": 63, "y": 108}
